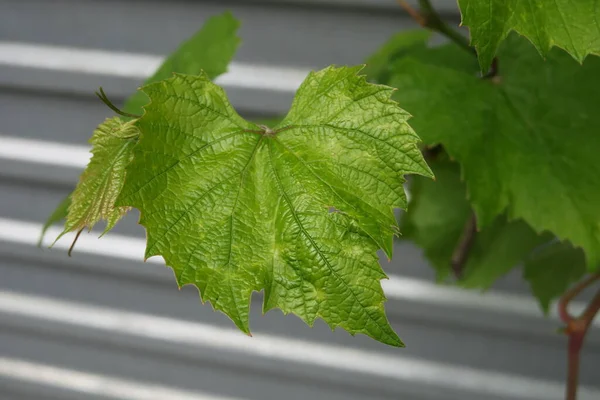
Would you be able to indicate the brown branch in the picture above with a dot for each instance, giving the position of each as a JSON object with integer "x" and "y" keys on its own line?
{"x": 462, "y": 249}
{"x": 412, "y": 12}
{"x": 577, "y": 329}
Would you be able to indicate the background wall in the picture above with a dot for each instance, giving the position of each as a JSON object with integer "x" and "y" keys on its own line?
{"x": 104, "y": 325}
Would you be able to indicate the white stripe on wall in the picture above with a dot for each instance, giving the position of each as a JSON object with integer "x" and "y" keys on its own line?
{"x": 44, "y": 152}
{"x": 140, "y": 66}
{"x": 273, "y": 347}
{"x": 93, "y": 384}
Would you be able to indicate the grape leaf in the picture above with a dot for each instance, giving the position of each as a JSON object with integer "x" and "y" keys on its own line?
{"x": 571, "y": 25}
{"x": 438, "y": 212}
{"x": 552, "y": 269}
{"x": 210, "y": 50}
{"x": 60, "y": 213}
{"x": 400, "y": 44}
{"x": 526, "y": 140}
{"x": 298, "y": 210}
{"x": 94, "y": 197}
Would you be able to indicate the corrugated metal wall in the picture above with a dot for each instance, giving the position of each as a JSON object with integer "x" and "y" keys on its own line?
{"x": 103, "y": 325}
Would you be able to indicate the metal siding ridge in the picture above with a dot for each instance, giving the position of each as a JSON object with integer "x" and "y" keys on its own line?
{"x": 94, "y": 384}
{"x": 44, "y": 152}
{"x": 140, "y": 66}
{"x": 266, "y": 346}
{"x": 443, "y": 6}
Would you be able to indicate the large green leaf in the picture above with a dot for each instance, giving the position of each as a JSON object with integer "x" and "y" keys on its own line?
{"x": 298, "y": 210}
{"x": 571, "y": 25}
{"x": 438, "y": 212}
{"x": 552, "y": 269}
{"x": 210, "y": 50}
{"x": 527, "y": 140}
{"x": 94, "y": 197}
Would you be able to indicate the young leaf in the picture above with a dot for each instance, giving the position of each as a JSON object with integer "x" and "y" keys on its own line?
{"x": 99, "y": 185}
{"x": 298, "y": 210}
{"x": 438, "y": 211}
{"x": 526, "y": 140}
{"x": 552, "y": 269}
{"x": 59, "y": 214}
{"x": 571, "y": 25}
{"x": 210, "y": 50}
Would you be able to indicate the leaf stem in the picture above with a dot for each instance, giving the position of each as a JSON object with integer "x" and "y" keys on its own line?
{"x": 102, "y": 96}
{"x": 74, "y": 241}
{"x": 434, "y": 22}
{"x": 570, "y": 294}
{"x": 576, "y": 330}
{"x": 412, "y": 12}
{"x": 429, "y": 18}
{"x": 462, "y": 249}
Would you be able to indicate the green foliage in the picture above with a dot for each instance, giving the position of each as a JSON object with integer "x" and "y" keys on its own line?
{"x": 209, "y": 50}
{"x": 94, "y": 197}
{"x": 299, "y": 210}
{"x": 438, "y": 213}
{"x": 59, "y": 214}
{"x": 551, "y": 269}
{"x": 571, "y": 25}
{"x": 525, "y": 140}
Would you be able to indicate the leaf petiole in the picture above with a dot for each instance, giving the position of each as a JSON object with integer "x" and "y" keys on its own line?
{"x": 104, "y": 98}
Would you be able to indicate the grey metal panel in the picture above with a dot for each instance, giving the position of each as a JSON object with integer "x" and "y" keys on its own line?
{"x": 271, "y": 33}
{"x": 445, "y": 7}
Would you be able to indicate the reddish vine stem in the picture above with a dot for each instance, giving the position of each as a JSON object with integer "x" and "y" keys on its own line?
{"x": 463, "y": 248}
{"x": 576, "y": 329}
{"x": 428, "y": 17}
{"x": 412, "y": 12}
